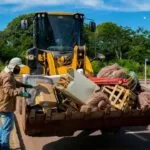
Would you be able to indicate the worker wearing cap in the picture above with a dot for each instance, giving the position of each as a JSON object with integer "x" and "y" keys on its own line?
{"x": 23, "y": 68}
{"x": 9, "y": 89}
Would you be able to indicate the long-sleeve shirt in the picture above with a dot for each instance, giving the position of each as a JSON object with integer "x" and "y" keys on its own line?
{"x": 8, "y": 91}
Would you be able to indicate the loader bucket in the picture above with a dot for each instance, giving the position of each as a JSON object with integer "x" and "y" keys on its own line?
{"x": 60, "y": 124}
{"x": 37, "y": 118}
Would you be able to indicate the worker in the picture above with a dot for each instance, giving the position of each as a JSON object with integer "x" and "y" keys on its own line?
{"x": 9, "y": 90}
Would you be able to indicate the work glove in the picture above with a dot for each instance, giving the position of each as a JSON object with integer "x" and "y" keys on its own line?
{"x": 25, "y": 94}
{"x": 28, "y": 86}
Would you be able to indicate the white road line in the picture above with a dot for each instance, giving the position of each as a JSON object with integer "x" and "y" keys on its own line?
{"x": 136, "y": 134}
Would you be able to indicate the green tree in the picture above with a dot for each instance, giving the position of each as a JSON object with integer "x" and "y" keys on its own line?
{"x": 17, "y": 40}
{"x": 113, "y": 40}
{"x": 140, "y": 45}
{"x": 89, "y": 40}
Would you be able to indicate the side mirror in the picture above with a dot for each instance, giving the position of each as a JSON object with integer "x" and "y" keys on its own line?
{"x": 92, "y": 26}
{"x": 24, "y": 24}
{"x": 99, "y": 57}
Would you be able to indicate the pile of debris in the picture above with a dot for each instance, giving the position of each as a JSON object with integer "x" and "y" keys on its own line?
{"x": 111, "y": 90}
{"x": 89, "y": 96}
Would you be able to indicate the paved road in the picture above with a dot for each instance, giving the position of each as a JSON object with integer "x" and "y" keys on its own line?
{"x": 129, "y": 138}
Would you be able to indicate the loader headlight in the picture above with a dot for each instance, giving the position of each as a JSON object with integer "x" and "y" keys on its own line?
{"x": 39, "y": 15}
{"x": 30, "y": 57}
{"x": 43, "y": 15}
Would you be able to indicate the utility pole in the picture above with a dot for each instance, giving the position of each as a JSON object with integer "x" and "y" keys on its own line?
{"x": 146, "y": 61}
{"x": 146, "y": 71}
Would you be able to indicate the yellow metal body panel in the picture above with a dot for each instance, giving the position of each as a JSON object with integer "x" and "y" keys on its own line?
{"x": 24, "y": 70}
{"x": 53, "y": 68}
{"x": 55, "y": 65}
{"x": 74, "y": 60}
{"x": 51, "y": 64}
{"x": 88, "y": 67}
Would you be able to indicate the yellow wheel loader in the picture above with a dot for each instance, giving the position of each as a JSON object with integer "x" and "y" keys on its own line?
{"x": 58, "y": 103}
{"x": 58, "y": 47}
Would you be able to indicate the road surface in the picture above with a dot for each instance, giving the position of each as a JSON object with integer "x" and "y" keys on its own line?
{"x": 128, "y": 138}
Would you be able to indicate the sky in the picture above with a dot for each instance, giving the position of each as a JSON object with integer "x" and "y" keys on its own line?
{"x": 127, "y": 13}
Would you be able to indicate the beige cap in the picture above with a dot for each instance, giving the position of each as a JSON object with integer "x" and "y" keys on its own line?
{"x": 14, "y": 62}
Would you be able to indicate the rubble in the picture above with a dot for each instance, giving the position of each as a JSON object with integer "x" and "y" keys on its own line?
{"x": 73, "y": 95}
{"x": 45, "y": 95}
{"x": 117, "y": 91}
{"x": 79, "y": 88}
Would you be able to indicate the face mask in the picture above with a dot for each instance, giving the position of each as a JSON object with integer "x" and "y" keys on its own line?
{"x": 16, "y": 70}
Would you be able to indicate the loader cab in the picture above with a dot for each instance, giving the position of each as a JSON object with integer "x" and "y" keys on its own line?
{"x": 58, "y": 31}
{"x": 55, "y": 33}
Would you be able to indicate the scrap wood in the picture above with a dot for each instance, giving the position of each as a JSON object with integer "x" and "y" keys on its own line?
{"x": 45, "y": 95}
{"x": 120, "y": 97}
{"x": 64, "y": 81}
{"x": 69, "y": 104}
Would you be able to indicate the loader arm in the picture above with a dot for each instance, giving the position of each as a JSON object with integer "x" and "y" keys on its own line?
{"x": 79, "y": 61}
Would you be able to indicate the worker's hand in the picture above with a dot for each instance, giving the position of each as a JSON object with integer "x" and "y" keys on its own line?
{"x": 25, "y": 94}
{"x": 28, "y": 86}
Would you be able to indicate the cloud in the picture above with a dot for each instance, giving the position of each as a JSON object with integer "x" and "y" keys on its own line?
{"x": 109, "y": 5}
{"x": 135, "y": 5}
{"x": 18, "y": 5}
{"x": 32, "y": 3}
{"x": 143, "y": 5}
{"x": 91, "y": 3}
